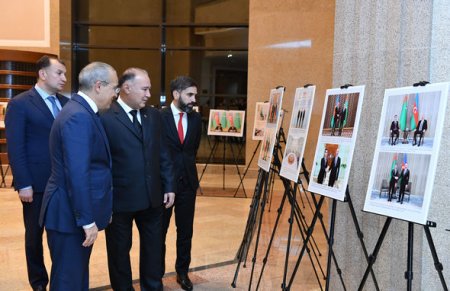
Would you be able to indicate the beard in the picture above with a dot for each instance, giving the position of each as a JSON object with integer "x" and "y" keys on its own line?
{"x": 186, "y": 107}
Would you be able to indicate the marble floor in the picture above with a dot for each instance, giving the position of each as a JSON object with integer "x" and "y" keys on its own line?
{"x": 218, "y": 232}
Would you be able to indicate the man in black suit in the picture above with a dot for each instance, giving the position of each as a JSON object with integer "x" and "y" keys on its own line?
{"x": 182, "y": 126}
{"x": 335, "y": 166}
{"x": 393, "y": 182}
{"x": 421, "y": 128}
{"x": 404, "y": 180}
{"x": 337, "y": 118}
{"x": 323, "y": 166}
{"x": 394, "y": 130}
{"x": 29, "y": 118}
{"x": 142, "y": 171}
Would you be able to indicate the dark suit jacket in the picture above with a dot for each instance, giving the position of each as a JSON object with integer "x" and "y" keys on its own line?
{"x": 404, "y": 176}
{"x": 394, "y": 126}
{"x": 334, "y": 173}
{"x": 424, "y": 126}
{"x": 183, "y": 155}
{"x": 142, "y": 168}
{"x": 79, "y": 190}
{"x": 28, "y": 122}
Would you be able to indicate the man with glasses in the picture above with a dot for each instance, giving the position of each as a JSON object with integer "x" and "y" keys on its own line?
{"x": 77, "y": 201}
{"x": 29, "y": 118}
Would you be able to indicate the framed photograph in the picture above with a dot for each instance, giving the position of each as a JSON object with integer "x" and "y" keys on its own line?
{"x": 259, "y": 125}
{"x": 3, "y": 105}
{"x": 404, "y": 164}
{"x": 226, "y": 122}
{"x": 336, "y": 141}
{"x": 270, "y": 133}
{"x": 298, "y": 131}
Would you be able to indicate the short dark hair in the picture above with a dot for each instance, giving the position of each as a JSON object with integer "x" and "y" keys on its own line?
{"x": 181, "y": 83}
{"x": 44, "y": 62}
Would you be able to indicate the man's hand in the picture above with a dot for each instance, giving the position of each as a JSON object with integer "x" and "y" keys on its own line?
{"x": 169, "y": 199}
{"x": 26, "y": 195}
{"x": 91, "y": 236}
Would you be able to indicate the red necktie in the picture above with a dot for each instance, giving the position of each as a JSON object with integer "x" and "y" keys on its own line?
{"x": 180, "y": 128}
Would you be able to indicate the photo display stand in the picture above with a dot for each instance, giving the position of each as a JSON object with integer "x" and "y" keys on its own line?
{"x": 429, "y": 100}
{"x": 330, "y": 237}
{"x": 224, "y": 140}
{"x": 254, "y": 220}
{"x": 297, "y": 216}
{"x": 336, "y": 141}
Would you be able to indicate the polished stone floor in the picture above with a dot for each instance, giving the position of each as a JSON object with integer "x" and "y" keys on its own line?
{"x": 218, "y": 232}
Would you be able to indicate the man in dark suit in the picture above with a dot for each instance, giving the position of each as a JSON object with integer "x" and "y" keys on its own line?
{"x": 421, "y": 128}
{"x": 142, "y": 171}
{"x": 394, "y": 130}
{"x": 334, "y": 171}
{"x": 77, "y": 202}
{"x": 182, "y": 126}
{"x": 29, "y": 118}
{"x": 404, "y": 180}
{"x": 323, "y": 166}
{"x": 337, "y": 118}
{"x": 393, "y": 182}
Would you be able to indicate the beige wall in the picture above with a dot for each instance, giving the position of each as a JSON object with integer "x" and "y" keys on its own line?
{"x": 30, "y": 25}
{"x": 278, "y": 21}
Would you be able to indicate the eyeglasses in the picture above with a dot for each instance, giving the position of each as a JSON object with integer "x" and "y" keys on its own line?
{"x": 105, "y": 83}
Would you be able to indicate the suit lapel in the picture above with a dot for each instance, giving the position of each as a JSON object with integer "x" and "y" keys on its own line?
{"x": 189, "y": 128}
{"x": 168, "y": 115}
{"x": 37, "y": 101}
{"x": 145, "y": 120}
{"x": 122, "y": 116}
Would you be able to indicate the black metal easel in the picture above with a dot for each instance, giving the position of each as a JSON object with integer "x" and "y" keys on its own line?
{"x": 409, "y": 268}
{"x": 224, "y": 140}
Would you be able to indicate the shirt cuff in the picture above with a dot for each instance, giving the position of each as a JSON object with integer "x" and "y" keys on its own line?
{"x": 89, "y": 225}
{"x": 26, "y": 188}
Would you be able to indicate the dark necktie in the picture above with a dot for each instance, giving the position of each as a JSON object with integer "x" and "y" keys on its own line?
{"x": 55, "y": 108}
{"x": 180, "y": 128}
{"x": 136, "y": 123}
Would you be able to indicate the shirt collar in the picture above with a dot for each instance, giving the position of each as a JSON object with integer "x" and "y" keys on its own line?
{"x": 124, "y": 105}
{"x": 175, "y": 110}
{"x": 89, "y": 101}
{"x": 42, "y": 92}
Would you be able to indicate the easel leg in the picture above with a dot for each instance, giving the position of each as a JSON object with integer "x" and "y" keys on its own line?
{"x": 223, "y": 163}
{"x": 437, "y": 264}
{"x": 409, "y": 270}
{"x": 238, "y": 171}
{"x": 305, "y": 243}
{"x": 373, "y": 256}
{"x": 246, "y": 170}
{"x": 330, "y": 243}
{"x": 206, "y": 165}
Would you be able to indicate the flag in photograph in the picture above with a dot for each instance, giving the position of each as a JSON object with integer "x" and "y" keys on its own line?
{"x": 346, "y": 110}
{"x": 404, "y": 113}
{"x": 394, "y": 163}
{"x": 415, "y": 115}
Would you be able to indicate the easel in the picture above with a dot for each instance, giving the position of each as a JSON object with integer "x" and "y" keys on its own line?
{"x": 409, "y": 268}
{"x": 224, "y": 140}
{"x": 295, "y": 215}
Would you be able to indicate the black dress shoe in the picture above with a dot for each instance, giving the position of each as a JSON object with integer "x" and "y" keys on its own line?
{"x": 184, "y": 281}
{"x": 39, "y": 288}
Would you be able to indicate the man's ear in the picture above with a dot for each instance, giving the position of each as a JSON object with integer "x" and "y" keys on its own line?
{"x": 176, "y": 94}
{"x": 42, "y": 74}
{"x": 97, "y": 86}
